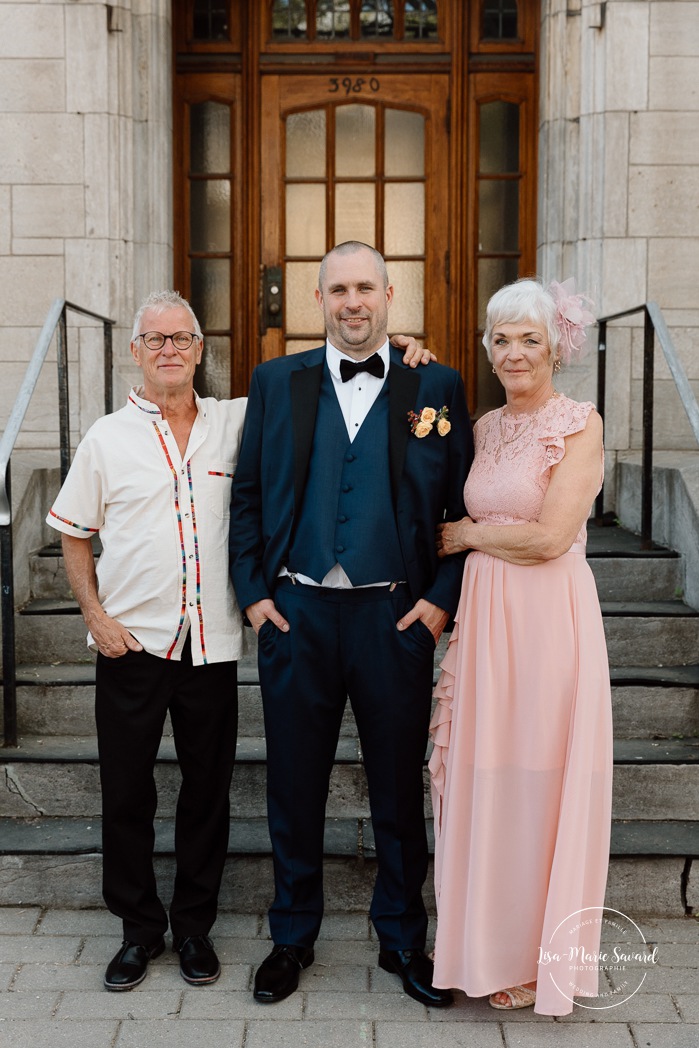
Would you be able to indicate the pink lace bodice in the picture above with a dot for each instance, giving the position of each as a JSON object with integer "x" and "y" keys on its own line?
{"x": 514, "y": 456}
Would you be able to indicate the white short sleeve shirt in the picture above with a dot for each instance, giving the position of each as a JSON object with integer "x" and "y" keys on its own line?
{"x": 163, "y": 523}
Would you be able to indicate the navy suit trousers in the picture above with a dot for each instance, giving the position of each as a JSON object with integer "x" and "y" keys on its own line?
{"x": 344, "y": 644}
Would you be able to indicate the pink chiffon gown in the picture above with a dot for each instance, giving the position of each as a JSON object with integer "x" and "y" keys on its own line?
{"x": 522, "y": 761}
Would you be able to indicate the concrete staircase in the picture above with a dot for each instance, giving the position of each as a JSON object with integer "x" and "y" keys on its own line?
{"x": 49, "y": 786}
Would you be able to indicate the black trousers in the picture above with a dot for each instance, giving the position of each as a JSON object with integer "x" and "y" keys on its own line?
{"x": 344, "y": 643}
{"x": 133, "y": 695}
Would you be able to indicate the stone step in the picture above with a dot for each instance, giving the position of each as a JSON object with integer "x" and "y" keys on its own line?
{"x": 647, "y": 701}
{"x": 59, "y": 777}
{"x": 653, "y": 633}
{"x": 642, "y": 578}
{"x": 57, "y": 862}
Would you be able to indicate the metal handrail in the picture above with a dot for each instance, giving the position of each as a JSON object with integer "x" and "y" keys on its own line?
{"x": 654, "y": 324}
{"x": 55, "y": 323}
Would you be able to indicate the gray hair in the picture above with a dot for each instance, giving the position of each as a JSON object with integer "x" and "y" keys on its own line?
{"x": 160, "y": 302}
{"x": 350, "y": 247}
{"x": 525, "y": 299}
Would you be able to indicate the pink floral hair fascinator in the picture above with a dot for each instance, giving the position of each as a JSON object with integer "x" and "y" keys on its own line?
{"x": 572, "y": 317}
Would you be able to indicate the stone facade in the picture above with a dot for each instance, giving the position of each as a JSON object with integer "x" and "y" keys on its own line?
{"x": 619, "y": 188}
{"x": 86, "y": 184}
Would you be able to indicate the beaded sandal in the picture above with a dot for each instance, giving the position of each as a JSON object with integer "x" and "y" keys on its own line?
{"x": 520, "y": 997}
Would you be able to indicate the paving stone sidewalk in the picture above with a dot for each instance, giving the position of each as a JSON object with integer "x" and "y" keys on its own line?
{"x": 52, "y": 963}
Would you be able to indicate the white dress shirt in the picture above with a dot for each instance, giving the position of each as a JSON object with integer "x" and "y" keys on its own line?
{"x": 163, "y": 522}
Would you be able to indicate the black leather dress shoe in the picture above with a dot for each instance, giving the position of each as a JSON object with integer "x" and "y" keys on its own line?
{"x": 128, "y": 967}
{"x": 198, "y": 961}
{"x": 415, "y": 970}
{"x": 278, "y": 975}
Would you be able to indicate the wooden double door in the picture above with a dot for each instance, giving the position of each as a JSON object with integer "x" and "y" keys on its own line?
{"x": 280, "y": 154}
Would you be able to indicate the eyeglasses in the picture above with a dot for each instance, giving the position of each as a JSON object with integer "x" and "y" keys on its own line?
{"x": 156, "y": 340}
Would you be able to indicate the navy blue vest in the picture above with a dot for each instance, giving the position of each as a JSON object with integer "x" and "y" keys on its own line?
{"x": 347, "y": 514}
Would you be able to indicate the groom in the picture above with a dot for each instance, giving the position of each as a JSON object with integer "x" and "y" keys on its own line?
{"x": 335, "y": 503}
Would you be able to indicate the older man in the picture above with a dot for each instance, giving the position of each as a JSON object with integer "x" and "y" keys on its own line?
{"x": 335, "y": 503}
{"x": 153, "y": 481}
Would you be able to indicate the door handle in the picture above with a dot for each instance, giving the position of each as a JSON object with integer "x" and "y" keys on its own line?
{"x": 271, "y": 311}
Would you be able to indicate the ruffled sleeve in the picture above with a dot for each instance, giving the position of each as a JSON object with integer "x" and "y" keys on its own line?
{"x": 568, "y": 417}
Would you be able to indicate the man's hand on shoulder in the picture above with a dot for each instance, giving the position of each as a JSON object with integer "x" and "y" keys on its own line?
{"x": 262, "y": 610}
{"x": 415, "y": 352}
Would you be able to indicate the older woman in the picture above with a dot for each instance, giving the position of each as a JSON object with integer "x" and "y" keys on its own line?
{"x": 521, "y": 768}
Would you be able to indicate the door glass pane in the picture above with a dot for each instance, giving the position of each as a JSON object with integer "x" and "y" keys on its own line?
{"x": 355, "y": 217}
{"x": 305, "y": 144}
{"x": 213, "y": 374}
{"x": 288, "y": 18}
{"x": 493, "y": 273}
{"x": 421, "y": 20}
{"x": 405, "y": 144}
{"x": 302, "y": 315}
{"x": 305, "y": 218}
{"x": 404, "y": 223}
{"x": 332, "y": 19}
{"x": 211, "y": 20}
{"x": 498, "y": 215}
{"x": 499, "y": 138}
{"x": 209, "y": 134}
{"x": 499, "y": 19}
{"x": 407, "y": 312}
{"x": 355, "y": 141}
{"x": 210, "y": 215}
{"x": 211, "y": 290}
{"x": 376, "y": 18}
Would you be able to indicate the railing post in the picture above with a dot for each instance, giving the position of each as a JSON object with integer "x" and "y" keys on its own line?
{"x": 601, "y": 397}
{"x": 7, "y": 607}
{"x": 647, "y": 446}
{"x": 108, "y": 382}
{"x": 63, "y": 405}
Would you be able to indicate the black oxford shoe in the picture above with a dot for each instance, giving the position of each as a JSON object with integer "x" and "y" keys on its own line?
{"x": 415, "y": 970}
{"x": 198, "y": 961}
{"x": 278, "y": 975}
{"x": 128, "y": 967}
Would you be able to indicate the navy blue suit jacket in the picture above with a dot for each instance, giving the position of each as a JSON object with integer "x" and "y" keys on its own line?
{"x": 427, "y": 475}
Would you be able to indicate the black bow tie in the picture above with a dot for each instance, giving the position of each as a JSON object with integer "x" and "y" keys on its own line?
{"x": 350, "y": 368}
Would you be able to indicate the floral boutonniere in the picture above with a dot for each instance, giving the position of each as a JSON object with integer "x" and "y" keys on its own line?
{"x": 424, "y": 421}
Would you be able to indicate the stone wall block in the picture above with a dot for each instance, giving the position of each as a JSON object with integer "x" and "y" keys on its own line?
{"x": 5, "y": 219}
{"x": 674, "y": 28}
{"x": 87, "y": 274}
{"x": 86, "y": 58}
{"x": 98, "y": 170}
{"x": 617, "y": 413}
{"x": 592, "y": 153}
{"x": 41, "y": 148}
{"x": 664, "y": 201}
{"x": 623, "y": 274}
{"x": 616, "y": 167}
{"x": 671, "y": 428}
{"x": 674, "y": 83}
{"x": 626, "y": 33}
{"x": 32, "y": 86}
{"x": 133, "y": 168}
{"x": 673, "y": 264}
{"x": 571, "y": 183}
{"x": 48, "y": 211}
{"x": 37, "y": 246}
{"x": 668, "y": 137}
{"x": 29, "y": 286}
{"x": 31, "y": 30}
